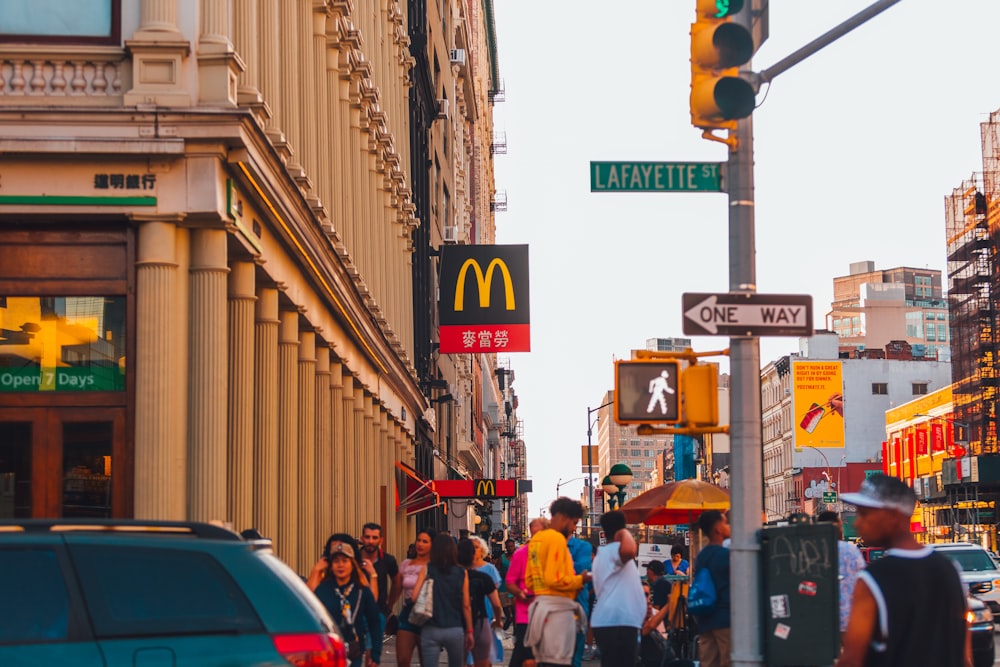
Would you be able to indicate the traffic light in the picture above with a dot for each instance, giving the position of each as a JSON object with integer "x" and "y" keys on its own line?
{"x": 718, "y": 47}
{"x": 701, "y": 395}
{"x": 648, "y": 391}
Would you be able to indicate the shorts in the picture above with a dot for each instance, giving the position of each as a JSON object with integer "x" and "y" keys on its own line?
{"x": 404, "y": 620}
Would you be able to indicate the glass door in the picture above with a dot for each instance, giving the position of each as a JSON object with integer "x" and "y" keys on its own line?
{"x": 63, "y": 462}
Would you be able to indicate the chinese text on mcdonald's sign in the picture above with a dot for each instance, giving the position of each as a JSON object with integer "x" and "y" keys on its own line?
{"x": 483, "y": 302}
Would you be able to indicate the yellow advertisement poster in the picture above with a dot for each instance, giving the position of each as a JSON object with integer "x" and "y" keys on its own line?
{"x": 817, "y": 404}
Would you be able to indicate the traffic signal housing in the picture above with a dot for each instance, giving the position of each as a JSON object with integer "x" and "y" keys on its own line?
{"x": 700, "y": 405}
{"x": 719, "y": 45}
{"x": 648, "y": 391}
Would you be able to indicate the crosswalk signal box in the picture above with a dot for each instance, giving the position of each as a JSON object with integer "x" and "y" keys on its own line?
{"x": 648, "y": 391}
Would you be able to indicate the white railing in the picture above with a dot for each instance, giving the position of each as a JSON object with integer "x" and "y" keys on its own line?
{"x": 90, "y": 77}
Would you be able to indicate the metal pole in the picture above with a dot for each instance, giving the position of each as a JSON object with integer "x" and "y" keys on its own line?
{"x": 590, "y": 476}
{"x": 744, "y": 354}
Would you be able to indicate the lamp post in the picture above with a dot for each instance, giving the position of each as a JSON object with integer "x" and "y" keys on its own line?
{"x": 590, "y": 464}
{"x": 560, "y": 483}
{"x": 828, "y": 475}
{"x": 615, "y": 482}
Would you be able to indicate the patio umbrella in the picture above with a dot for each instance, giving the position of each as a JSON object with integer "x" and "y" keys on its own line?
{"x": 675, "y": 503}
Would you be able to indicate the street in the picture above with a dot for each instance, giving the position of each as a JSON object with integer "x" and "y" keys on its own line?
{"x": 389, "y": 653}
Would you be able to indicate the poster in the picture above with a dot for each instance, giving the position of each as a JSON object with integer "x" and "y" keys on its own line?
{"x": 818, "y": 404}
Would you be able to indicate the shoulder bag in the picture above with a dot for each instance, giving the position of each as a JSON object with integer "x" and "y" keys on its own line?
{"x": 423, "y": 608}
{"x": 702, "y": 596}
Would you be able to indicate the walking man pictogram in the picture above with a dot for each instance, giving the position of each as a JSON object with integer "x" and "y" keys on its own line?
{"x": 658, "y": 390}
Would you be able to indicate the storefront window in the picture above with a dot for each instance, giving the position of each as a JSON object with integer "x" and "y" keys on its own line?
{"x": 87, "y": 469}
{"x": 80, "y": 20}
{"x": 68, "y": 343}
{"x": 15, "y": 470}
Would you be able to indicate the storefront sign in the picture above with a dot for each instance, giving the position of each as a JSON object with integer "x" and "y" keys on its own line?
{"x": 62, "y": 379}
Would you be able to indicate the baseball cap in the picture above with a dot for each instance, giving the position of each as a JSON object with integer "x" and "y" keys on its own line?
{"x": 882, "y": 492}
{"x": 342, "y": 548}
{"x": 656, "y": 567}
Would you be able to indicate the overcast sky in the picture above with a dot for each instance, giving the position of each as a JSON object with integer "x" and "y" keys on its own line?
{"x": 855, "y": 150}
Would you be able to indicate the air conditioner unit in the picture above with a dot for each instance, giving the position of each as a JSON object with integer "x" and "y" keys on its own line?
{"x": 442, "y": 108}
{"x": 457, "y": 56}
{"x": 450, "y": 234}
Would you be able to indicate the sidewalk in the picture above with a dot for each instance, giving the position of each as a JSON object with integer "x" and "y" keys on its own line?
{"x": 389, "y": 653}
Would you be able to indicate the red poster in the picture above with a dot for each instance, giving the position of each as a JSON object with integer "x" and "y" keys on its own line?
{"x": 898, "y": 456}
{"x": 937, "y": 437}
{"x": 885, "y": 457}
{"x": 912, "y": 455}
{"x": 921, "y": 442}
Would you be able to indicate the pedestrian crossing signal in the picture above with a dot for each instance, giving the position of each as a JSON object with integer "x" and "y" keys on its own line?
{"x": 648, "y": 391}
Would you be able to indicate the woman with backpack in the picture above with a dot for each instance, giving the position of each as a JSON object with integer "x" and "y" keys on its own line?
{"x": 337, "y": 582}
{"x": 450, "y": 627}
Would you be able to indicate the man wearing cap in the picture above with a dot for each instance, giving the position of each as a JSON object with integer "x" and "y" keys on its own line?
{"x": 909, "y": 606}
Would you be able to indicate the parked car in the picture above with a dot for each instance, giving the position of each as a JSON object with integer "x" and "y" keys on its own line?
{"x": 979, "y": 571}
{"x": 980, "y": 620}
{"x": 104, "y": 593}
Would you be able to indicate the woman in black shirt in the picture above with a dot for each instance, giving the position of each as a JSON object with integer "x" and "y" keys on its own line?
{"x": 451, "y": 625}
{"x": 481, "y": 587}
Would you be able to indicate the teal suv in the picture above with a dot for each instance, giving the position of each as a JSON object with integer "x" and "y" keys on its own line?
{"x": 108, "y": 593}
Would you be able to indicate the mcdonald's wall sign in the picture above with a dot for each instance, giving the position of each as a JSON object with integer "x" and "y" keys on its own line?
{"x": 484, "y": 299}
{"x": 478, "y": 488}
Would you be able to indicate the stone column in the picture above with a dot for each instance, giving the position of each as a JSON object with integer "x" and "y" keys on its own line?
{"x": 291, "y": 83}
{"x": 219, "y": 66}
{"x": 350, "y": 470}
{"x": 207, "y": 394}
{"x": 265, "y": 413}
{"x": 158, "y": 50}
{"x": 159, "y": 455}
{"x": 270, "y": 76}
{"x": 241, "y": 392}
{"x": 245, "y": 35}
{"x": 338, "y": 463}
{"x": 306, "y": 486}
{"x": 288, "y": 436}
{"x": 324, "y": 443}
{"x": 361, "y": 449}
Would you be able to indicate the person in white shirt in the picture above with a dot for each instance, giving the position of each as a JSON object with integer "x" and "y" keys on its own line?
{"x": 621, "y": 603}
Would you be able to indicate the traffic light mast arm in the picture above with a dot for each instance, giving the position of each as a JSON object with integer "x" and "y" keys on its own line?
{"x": 646, "y": 429}
{"x": 827, "y": 38}
{"x": 687, "y": 354}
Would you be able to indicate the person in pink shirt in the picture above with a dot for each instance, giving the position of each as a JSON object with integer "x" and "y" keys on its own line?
{"x": 522, "y": 656}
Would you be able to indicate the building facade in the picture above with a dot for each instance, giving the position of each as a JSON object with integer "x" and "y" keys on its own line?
{"x": 211, "y": 236}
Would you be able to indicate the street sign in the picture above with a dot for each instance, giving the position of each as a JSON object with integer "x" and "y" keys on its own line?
{"x": 738, "y": 314}
{"x": 829, "y": 497}
{"x": 647, "y": 391}
{"x": 656, "y": 177}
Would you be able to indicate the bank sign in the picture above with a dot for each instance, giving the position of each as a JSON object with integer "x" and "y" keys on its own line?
{"x": 483, "y": 299}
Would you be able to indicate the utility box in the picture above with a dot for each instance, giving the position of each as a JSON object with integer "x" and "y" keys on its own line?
{"x": 800, "y": 594}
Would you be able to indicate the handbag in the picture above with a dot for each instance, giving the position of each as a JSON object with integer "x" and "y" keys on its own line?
{"x": 423, "y": 609}
{"x": 392, "y": 625}
{"x": 702, "y": 596}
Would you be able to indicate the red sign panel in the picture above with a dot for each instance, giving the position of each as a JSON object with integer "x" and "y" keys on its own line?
{"x": 475, "y": 488}
{"x": 937, "y": 437}
{"x": 921, "y": 442}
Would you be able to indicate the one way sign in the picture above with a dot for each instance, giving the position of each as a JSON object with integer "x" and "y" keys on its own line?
{"x": 736, "y": 314}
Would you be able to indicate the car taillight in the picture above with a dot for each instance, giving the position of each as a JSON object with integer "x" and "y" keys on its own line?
{"x": 311, "y": 650}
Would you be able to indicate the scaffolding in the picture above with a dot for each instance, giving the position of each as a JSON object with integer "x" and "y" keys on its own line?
{"x": 973, "y": 291}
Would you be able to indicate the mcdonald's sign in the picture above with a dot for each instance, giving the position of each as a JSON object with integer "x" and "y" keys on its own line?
{"x": 483, "y": 304}
{"x": 478, "y": 488}
{"x": 486, "y": 488}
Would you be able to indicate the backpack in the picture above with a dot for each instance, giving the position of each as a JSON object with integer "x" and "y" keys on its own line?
{"x": 702, "y": 595}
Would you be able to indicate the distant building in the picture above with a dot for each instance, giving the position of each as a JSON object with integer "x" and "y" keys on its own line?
{"x": 872, "y": 307}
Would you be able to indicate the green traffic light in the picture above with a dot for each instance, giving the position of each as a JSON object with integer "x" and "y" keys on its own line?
{"x": 727, "y": 8}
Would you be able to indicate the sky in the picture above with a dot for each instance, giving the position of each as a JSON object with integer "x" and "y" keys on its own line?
{"x": 855, "y": 149}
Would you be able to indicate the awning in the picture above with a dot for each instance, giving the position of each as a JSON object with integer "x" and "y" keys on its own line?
{"x": 414, "y": 493}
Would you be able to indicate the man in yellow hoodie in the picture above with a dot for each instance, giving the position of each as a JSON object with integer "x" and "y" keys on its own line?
{"x": 555, "y": 617}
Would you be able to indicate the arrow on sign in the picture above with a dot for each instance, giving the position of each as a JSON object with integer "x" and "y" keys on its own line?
{"x": 737, "y": 314}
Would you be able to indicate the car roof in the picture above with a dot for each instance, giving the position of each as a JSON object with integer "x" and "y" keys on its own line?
{"x": 119, "y": 527}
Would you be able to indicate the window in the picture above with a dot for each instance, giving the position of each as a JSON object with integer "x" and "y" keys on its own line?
{"x": 635, "y": 452}
{"x": 880, "y": 388}
{"x": 32, "y": 574}
{"x": 80, "y": 21}
{"x": 919, "y": 388}
{"x": 190, "y": 592}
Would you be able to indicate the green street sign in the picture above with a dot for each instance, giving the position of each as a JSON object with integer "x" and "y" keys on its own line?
{"x": 829, "y": 497}
{"x": 656, "y": 177}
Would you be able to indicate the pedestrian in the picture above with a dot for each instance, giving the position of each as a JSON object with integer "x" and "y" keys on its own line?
{"x": 408, "y": 634}
{"x": 909, "y": 606}
{"x": 659, "y": 587}
{"x": 509, "y": 547}
{"x": 450, "y": 628}
{"x": 555, "y": 616}
{"x": 621, "y": 603}
{"x": 582, "y": 553}
{"x": 850, "y": 562}
{"x": 714, "y": 645}
{"x": 336, "y": 581}
{"x": 481, "y": 564}
{"x": 482, "y": 588}
{"x": 383, "y": 568}
{"x": 521, "y": 656}
{"x": 677, "y": 563}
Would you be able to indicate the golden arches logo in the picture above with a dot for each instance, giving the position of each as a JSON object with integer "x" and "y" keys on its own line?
{"x": 485, "y": 487}
{"x": 483, "y": 282}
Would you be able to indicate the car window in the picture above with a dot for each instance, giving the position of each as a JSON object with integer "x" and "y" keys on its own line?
{"x": 134, "y": 591}
{"x": 971, "y": 560}
{"x": 33, "y": 602}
